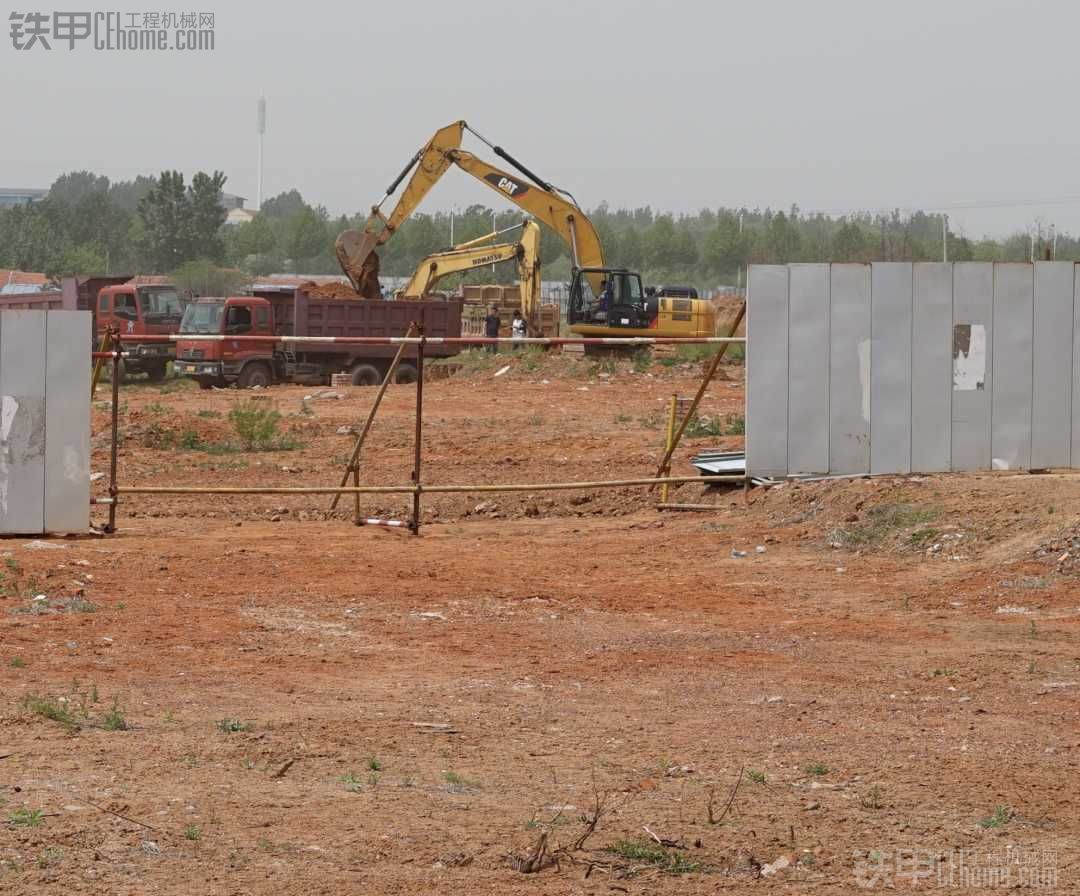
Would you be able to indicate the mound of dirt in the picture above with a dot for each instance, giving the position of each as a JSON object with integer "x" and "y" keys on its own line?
{"x": 330, "y": 290}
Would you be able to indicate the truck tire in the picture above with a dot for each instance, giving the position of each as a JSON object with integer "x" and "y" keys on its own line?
{"x": 254, "y": 374}
{"x": 405, "y": 373}
{"x": 365, "y": 375}
{"x": 156, "y": 372}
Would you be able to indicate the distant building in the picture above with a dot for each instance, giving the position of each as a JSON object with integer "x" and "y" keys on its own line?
{"x": 9, "y": 198}
{"x": 239, "y": 216}
{"x": 230, "y": 201}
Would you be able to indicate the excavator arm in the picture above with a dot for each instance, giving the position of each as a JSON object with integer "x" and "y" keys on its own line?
{"x": 441, "y": 264}
{"x": 356, "y": 249}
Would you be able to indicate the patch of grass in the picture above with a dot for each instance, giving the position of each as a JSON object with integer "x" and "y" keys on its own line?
{"x": 736, "y": 353}
{"x": 190, "y": 440}
{"x": 208, "y": 414}
{"x": 114, "y": 720}
{"x": 882, "y": 522}
{"x": 701, "y": 427}
{"x": 531, "y": 358}
{"x": 78, "y": 605}
{"x": 1000, "y": 817}
{"x": 49, "y": 856}
{"x": 51, "y": 709}
{"x": 872, "y": 798}
{"x": 623, "y": 418}
{"x": 17, "y": 662}
{"x": 755, "y": 775}
{"x": 193, "y": 832}
{"x": 942, "y": 673}
{"x": 176, "y": 384}
{"x": 670, "y": 861}
{"x": 921, "y": 537}
{"x": 231, "y": 726}
{"x": 536, "y": 420}
{"x": 352, "y": 782}
{"x": 457, "y": 783}
{"x": 156, "y": 408}
{"x": 26, "y": 818}
{"x": 817, "y": 769}
{"x": 641, "y": 360}
{"x": 257, "y": 425}
{"x": 691, "y": 354}
{"x": 735, "y": 425}
{"x": 374, "y": 764}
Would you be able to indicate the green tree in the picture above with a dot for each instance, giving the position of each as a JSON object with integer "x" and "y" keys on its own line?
{"x": 165, "y": 213}
{"x": 307, "y": 238}
{"x": 849, "y": 244}
{"x": 206, "y": 216}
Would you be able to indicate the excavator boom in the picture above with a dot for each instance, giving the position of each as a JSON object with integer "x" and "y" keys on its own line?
{"x": 356, "y": 249}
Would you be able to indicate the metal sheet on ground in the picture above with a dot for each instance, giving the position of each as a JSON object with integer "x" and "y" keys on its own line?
{"x": 808, "y": 368}
{"x": 931, "y": 368}
{"x": 22, "y": 421}
{"x": 1051, "y": 399}
{"x": 67, "y": 422}
{"x": 849, "y": 369}
{"x": 1010, "y": 415}
{"x": 767, "y": 370}
{"x": 972, "y": 381}
{"x": 890, "y": 370}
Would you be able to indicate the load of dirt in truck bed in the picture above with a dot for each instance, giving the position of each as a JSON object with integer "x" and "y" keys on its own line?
{"x": 330, "y": 290}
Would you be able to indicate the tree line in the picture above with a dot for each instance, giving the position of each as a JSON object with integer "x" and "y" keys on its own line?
{"x": 167, "y": 225}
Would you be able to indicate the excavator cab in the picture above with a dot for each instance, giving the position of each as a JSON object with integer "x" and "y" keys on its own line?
{"x": 609, "y": 297}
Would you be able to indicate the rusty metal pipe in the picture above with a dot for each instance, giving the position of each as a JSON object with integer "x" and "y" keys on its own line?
{"x": 114, "y": 448}
{"x": 418, "y": 453}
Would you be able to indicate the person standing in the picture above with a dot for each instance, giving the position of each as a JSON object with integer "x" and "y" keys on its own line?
{"x": 518, "y": 328}
{"x": 491, "y": 328}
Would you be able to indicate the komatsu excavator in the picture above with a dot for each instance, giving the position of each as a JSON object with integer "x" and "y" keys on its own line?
{"x": 479, "y": 252}
{"x": 603, "y": 301}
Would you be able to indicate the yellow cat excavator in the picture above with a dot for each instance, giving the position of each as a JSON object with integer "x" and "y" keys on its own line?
{"x": 603, "y": 301}
{"x": 479, "y": 252}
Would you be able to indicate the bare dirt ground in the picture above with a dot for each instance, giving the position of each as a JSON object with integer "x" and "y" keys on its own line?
{"x": 248, "y": 696}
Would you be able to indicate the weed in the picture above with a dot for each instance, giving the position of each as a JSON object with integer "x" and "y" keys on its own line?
{"x": 921, "y": 537}
{"x": 51, "y": 709}
{"x": 700, "y": 427}
{"x": 193, "y": 832}
{"x": 49, "y": 856}
{"x": 1000, "y": 817}
{"x": 641, "y": 360}
{"x": 1031, "y": 668}
{"x": 872, "y": 798}
{"x": 93, "y": 693}
{"x": 78, "y": 605}
{"x": 17, "y": 662}
{"x": 1032, "y": 631}
{"x": 190, "y": 440}
{"x": 735, "y": 426}
{"x": 755, "y": 775}
{"x": 690, "y": 354}
{"x": 374, "y": 765}
{"x": 456, "y": 783}
{"x": 207, "y": 414}
{"x": 817, "y": 769}
{"x": 536, "y": 420}
{"x": 736, "y": 353}
{"x": 942, "y": 673}
{"x": 248, "y": 764}
{"x": 257, "y": 427}
{"x": 12, "y": 565}
{"x": 176, "y": 384}
{"x": 352, "y": 782}
{"x": 114, "y": 720}
{"x": 156, "y": 408}
{"x": 157, "y": 437}
{"x": 669, "y": 860}
{"x": 882, "y": 521}
{"x": 623, "y": 418}
{"x": 531, "y": 358}
{"x": 26, "y": 818}
{"x": 231, "y": 726}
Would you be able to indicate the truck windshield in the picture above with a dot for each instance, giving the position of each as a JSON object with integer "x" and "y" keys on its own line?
{"x": 160, "y": 301}
{"x": 202, "y": 317}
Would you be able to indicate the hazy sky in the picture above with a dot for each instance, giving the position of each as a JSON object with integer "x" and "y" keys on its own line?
{"x": 833, "y": 105}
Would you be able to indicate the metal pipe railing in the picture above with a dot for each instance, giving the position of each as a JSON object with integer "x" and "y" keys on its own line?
{"x": 451, "y": 340}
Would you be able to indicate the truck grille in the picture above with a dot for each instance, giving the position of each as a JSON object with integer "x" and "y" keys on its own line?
{"x": 192, "y": 354}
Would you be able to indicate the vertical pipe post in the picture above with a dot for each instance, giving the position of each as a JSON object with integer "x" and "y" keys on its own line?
{"x": 415, "y": 526}
{"x": 667, "y": 444}
{"x": 117, "y": 346}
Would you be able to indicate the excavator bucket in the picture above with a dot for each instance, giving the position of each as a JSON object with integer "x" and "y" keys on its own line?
{"x": 355, "y": 250}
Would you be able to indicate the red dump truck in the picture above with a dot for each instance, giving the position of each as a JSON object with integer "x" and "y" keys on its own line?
{"x": 135, "y": 309}
{"x": 279, "y": 315}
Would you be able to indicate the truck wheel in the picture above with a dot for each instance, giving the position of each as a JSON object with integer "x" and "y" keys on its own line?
{"x": 406, "y": 373}
{"x": 365, "y": 375}
{"x": 156, "y": 372}
{"x": 256, "y": 374}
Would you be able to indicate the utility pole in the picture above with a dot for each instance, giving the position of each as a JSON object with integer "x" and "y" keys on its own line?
{"x": 1053, "y": 242}
{"x": 944, "y": 237}
{"x": 451, "y": 225}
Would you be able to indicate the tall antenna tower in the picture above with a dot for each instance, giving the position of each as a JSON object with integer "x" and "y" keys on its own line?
{"x": 260, "y": 126}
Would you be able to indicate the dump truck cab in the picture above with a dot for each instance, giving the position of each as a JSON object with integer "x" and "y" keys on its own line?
{"x": 141, "y": 311}
{"x": 217, "y": 362}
